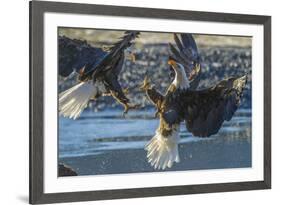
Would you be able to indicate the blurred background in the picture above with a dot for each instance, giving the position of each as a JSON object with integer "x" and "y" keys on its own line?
{"x": 100, "y": 140}
{"x": 222, "y": 57}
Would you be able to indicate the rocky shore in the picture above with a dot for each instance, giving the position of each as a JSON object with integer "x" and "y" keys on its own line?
{"x": 65, "y": 170}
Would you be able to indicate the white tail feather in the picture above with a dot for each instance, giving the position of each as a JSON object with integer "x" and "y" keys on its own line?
{"x": 162, "y": 151}
{"x": 74, "y": 100}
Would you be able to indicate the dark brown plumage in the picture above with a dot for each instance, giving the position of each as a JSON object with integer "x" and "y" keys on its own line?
{"x": 98, "y": 72}
{"x": 203, "y": 111}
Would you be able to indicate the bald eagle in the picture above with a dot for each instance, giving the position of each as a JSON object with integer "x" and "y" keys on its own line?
{"x": 203, "y": 111}
{"x": 97, "y": 70}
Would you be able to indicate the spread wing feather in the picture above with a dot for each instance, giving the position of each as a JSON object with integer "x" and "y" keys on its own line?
{"x": 155, "y": 96}
{"x": 75, "y": 54}
{"x": 187, "y": 54}
{"x": 111, "y": 82}
{"x": 115, "y": 51}
{"x": 204, "y": 111}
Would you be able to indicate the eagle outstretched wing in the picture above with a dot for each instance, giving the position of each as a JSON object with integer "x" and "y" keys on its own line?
{"x": 113, "y": 55}
{"x": 155, "y": 97}
{"x": 111, "y": 82}
{"x": 187, "y": 55}
{"x": 204, "y": 111}
{"x": 98, "y": 72}
{"x": 75, "y": 54}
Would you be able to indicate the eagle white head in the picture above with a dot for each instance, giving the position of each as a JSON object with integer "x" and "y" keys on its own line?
{"x": 181, "y": 80}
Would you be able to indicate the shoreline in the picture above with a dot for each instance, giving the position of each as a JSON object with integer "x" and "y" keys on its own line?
{"x": 200, "y": 155}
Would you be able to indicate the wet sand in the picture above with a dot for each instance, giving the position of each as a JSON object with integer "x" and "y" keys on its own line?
{"x": 213, "y": 153}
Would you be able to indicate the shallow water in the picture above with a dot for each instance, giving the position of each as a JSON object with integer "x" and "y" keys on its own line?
{"x": 98, "y": 143}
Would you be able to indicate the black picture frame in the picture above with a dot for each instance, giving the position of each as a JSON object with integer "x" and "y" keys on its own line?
{"x": 37, "y": 10}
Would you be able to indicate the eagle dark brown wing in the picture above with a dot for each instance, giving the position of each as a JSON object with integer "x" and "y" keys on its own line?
{"x": 75, "y": 54}
{"x": 204, "y": 111}
{"x": 111, "y": 82}
{"x": 153, "y": 95}
{"x": 113, "y": 55}
{"x": 187, "y": 55}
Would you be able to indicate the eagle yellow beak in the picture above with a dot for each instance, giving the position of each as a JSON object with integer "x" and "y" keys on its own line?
{"x": 172, "y": 62}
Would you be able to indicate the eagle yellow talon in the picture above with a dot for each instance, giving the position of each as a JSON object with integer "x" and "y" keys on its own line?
{"x": 128, "y": 107}
{"x": 145, "y": 85}
{"x": 156, "y": 114}
{"x": 126, "y": 91}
